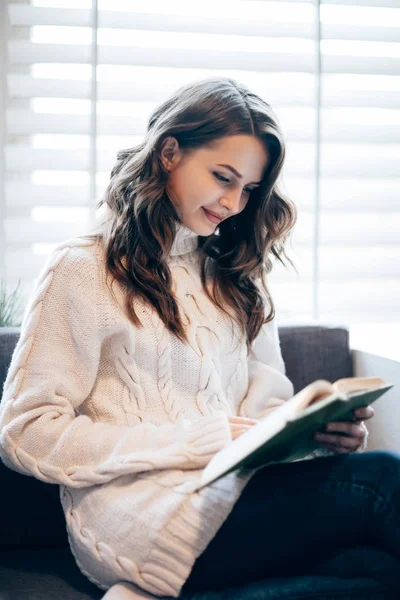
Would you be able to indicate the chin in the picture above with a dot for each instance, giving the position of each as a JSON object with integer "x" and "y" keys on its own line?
{"x": 203, "y": 229}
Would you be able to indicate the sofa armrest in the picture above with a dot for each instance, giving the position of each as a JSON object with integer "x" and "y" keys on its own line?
{"x": 384, "y": 427}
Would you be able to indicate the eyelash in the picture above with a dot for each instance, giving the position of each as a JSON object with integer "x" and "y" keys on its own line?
{"x": 223, "y": 179}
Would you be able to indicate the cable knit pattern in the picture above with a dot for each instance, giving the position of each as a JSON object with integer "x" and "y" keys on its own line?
{"x": 164, "y": 375}
{"x": 133, "y": 399}
{"x": 124, "y": 419}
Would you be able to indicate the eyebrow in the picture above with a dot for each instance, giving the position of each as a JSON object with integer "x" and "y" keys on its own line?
{"x": 237, "y": 173}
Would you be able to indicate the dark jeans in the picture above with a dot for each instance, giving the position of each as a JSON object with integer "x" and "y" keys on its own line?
{"x": 324, "y": 516}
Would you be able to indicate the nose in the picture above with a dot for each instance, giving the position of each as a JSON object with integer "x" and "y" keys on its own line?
{"x": 231, "y": 201}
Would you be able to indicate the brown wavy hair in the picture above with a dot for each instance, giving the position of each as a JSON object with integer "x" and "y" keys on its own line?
{"x": 139, "y": 226}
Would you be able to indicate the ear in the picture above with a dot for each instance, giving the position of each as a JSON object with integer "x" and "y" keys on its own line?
{"x": 170, "y": 153}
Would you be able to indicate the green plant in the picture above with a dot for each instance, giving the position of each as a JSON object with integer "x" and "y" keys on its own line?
{"x": 10, "y": 304}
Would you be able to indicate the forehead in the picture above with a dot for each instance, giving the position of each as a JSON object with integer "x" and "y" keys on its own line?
{"x": 247, "y": 154}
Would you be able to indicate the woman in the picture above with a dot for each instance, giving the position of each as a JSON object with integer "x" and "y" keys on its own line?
{"x": 147, "y": 347}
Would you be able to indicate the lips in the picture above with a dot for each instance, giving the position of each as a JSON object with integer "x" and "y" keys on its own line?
{"x": 210, "y": 212}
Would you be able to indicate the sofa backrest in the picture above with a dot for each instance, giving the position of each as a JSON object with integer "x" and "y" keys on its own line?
{"x": 30, "y": 511}
{"x": 313, "y": 352}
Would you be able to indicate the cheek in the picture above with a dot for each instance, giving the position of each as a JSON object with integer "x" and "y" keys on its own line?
{"x": 192, "y": 190}
{"x": 196, "y": 191}
{"x": 243, "y": 202}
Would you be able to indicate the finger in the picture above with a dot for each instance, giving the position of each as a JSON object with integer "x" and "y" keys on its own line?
{"x": 338, "y": 440}
{"x": 241, "y": 427}
{"x": 366, "y": 412}
{"x": 347, "y": 427}
{"x": 242, "y": 420}
{"x": 237, "y": 433}
{"x": 234, "y": 424}
{"x": 336, "y": 449}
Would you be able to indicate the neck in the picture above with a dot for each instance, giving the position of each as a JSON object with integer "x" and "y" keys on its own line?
{"x": 185, "y": 240}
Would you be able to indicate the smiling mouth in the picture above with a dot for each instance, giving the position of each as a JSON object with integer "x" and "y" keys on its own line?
{"x": 212, "y": 217}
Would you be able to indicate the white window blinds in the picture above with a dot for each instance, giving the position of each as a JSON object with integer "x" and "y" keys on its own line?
{"x": 81, "y": 78}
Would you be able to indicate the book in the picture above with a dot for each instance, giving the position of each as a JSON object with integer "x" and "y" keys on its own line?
{"x": 287, "y": 432}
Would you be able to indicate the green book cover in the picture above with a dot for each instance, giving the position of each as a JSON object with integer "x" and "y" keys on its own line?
{"x": 284, "y": 437}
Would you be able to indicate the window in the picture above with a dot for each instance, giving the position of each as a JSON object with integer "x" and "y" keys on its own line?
{"x": 80, "y": 82}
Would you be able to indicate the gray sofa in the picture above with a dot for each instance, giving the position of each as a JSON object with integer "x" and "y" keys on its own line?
{"x": 35, "y": 560}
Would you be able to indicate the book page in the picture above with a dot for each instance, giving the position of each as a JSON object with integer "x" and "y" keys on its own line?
{"x": 317, "y": 390}
{"x": 355, "y": 384}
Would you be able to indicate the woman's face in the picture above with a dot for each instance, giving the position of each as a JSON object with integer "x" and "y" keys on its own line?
{"x": 218, "y": 179}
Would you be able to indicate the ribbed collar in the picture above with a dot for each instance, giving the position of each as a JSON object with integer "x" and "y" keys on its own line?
{"x": 185, "y": 240}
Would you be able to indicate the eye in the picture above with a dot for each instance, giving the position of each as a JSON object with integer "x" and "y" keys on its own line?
{"x": 225, "y": 180}
{"x": 249, "y": 191}
{"x": 220, "y": 177}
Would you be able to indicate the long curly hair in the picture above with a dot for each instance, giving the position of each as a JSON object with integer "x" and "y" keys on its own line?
{"x": 140, "y": 220}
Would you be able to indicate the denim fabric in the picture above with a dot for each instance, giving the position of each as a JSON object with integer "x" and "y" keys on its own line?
{"x": 336, "y": 517}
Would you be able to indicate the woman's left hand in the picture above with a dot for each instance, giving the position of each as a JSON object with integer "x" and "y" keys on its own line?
{"x": 346, "y": 436}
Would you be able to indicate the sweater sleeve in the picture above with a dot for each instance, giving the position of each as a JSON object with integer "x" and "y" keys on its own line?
{"x": 53, "y": 370}
{"x": 268, "y": 385}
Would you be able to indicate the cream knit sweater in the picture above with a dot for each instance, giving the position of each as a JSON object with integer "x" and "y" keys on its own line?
{"x": 124, "y": 419}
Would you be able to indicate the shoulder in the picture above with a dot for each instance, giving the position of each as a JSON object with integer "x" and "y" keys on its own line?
{"x": 68, "y": 282}
{"x": 74, "y": 252}
{"x": 77, "y": 247}
{"x": 75, "y": 261}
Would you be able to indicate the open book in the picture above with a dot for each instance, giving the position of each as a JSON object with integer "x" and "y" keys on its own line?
{"x": 287, "y": 432}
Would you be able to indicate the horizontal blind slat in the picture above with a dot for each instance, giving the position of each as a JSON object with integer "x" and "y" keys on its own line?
{"x": 29, "y": 195}
{"x": 376, "y": 3}
{"x": 349, "y": 229}
{"x": 25, "y": 53}
{"x": 25, "y": 86}
{"x": 350, "y": 193}
{"x": 230, "y": 24}
{"x": 26, "y": 231}
{"x": 371, "y": 65}
{"x": 358, "y": 32}
{"x": 341, "y": 264}
{"x": 361, "y": 300}
{"x": 236, "y": 24}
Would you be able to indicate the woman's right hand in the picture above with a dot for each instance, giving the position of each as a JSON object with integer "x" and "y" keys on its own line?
{"x": 240, "y": 425}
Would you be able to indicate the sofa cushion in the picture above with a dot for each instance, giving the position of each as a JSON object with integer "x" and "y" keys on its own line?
{"x": 31, "y": 515}
{"x": 44, "y": 575}
{"x": 53, "y": 575}
{"x": 315, "y": 352}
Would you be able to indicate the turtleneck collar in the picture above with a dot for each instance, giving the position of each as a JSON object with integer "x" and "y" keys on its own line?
{"x": 185, "y": 240}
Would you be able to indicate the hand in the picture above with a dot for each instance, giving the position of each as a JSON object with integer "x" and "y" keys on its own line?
{"x": 346, "y": 436}
{"x": 240, "y": 424}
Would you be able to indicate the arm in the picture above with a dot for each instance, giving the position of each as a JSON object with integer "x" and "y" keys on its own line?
{"x": 53, "y": 370}
{"x": 268, "y": 385}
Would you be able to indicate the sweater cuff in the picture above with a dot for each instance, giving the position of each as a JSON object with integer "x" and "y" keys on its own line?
{"x": 207, "y": 436}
